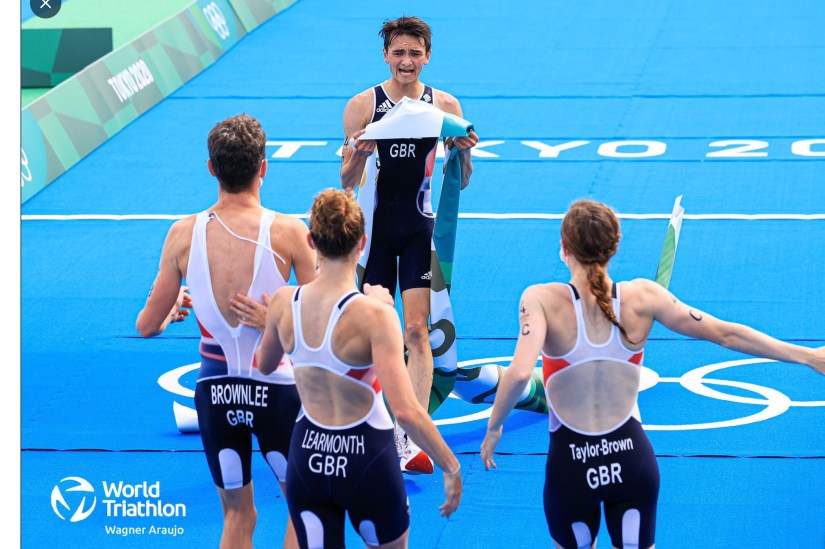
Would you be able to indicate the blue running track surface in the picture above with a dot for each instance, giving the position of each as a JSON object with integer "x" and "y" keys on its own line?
{"x": 630, "y": 103}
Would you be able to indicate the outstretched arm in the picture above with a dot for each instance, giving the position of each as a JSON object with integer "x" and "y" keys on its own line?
{"x": 303, "y": 262}
{"x": 168, "y": 300}
{"x": 270, "y": 352}
{"x": 692, "y": 322}
{"x": 450, "y": 104}
{"x": 532, "y": 332}
{"x": 250, "y": 312}
{"x": 356, "y": 118}
{"x": 388, "y": 358}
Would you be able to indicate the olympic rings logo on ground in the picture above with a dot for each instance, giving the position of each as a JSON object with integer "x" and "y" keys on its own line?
{"x": 773, "y": 402}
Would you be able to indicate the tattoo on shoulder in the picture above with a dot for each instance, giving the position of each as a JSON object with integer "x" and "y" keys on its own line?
{"x": 525, "y": 330}
{"x": 695, "y": 315}
{"x": 522, "y": 309}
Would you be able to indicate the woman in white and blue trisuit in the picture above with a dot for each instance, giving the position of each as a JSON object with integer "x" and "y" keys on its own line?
{"x": 348, "y": 354}
{"x": 591, "y": 334}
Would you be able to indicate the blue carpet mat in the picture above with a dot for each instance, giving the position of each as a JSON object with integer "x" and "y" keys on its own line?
{"x": 685, "y": 76}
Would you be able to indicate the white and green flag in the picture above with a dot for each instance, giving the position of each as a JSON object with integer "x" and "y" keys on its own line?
{"x": 665, "y": 269}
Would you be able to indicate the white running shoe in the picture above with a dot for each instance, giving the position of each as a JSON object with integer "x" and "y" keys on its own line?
{"x": 414, "y": 460}
{"x": 400, "y": 440}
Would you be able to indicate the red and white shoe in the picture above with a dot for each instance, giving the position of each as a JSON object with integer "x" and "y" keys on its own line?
{"x": 414, "y": 461}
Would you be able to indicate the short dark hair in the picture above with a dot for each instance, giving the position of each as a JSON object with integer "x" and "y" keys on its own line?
{"x": 237, "y": 146}
{"x": 412, "y": 26}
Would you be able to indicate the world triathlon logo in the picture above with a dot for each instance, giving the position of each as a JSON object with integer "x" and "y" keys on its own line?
{"x": 133, "y": 506}
{"x": 70, "y": 499}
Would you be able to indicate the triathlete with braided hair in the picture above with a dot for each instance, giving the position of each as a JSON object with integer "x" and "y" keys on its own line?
{"x": 347, "y": 354}
{"x": 591, "y": 333}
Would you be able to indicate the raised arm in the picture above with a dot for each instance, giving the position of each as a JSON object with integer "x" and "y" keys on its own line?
{"x": 167, "y": 299}
{"x": 692, "y": 322}
{"x": 532, "y": 333}
{"x": 356, "y": 117}
{"x": 450, "y": 104}
{"x": 388, "y": 358}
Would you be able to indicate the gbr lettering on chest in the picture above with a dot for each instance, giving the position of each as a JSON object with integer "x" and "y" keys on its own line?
{"x": 402, "y": 150}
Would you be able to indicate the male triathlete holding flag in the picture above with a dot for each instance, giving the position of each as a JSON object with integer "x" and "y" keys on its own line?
{"x": 402, "y": 225}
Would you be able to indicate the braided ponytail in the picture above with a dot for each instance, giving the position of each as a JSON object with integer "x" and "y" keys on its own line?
{"x": 598, "y": 286}
{"x": 590, "y": 231}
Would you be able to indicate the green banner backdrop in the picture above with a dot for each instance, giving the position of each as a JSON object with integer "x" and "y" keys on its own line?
{"x": 50, "y": 56}
{"x": 70, "y": 121}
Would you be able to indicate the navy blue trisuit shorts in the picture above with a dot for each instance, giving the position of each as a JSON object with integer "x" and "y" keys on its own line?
{"x": 345, "y": 470}
{"x": 618, "y": 470}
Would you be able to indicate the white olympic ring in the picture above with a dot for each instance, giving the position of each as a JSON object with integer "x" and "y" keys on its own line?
{"x": 171, "y": 380}
{"x": 775, "y": 402}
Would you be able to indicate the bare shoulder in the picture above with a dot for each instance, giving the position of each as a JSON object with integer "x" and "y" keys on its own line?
{"x": 280, "y": 301}
{"x": 645, "y": 296}
{"x": 359, "y": 106}
{"x": 289, "y": 223}
{"x": 373, "y": 313}
{"x": 550, "y": 291}
{"x": 447, "y": 103}
{"x": 365, "y": 96}
{"x": 282, "y": 297}
{"x": 290, "y": 233}
{"x": 180, "y": 233}
{"x": 641, "y": 288}
{"x": 549, "y": 296}
{"x": 184, "y": 225}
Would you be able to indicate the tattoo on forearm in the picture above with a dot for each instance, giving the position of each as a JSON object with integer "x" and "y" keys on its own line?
{"x": 525, "y": 330}
{"x": 152, "y": 287}
{"x": 695, "y": 315}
